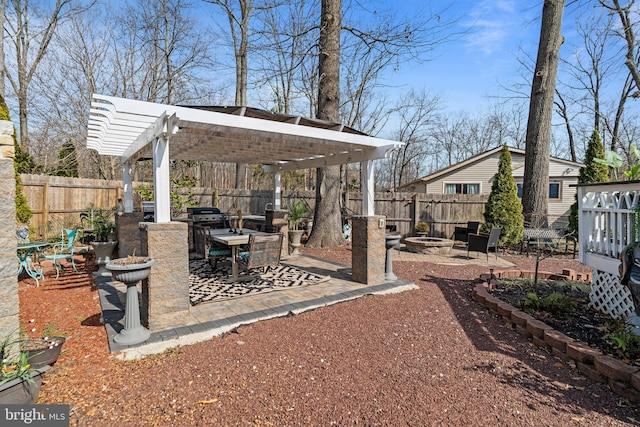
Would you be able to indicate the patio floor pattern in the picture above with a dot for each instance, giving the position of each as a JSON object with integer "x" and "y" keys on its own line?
{"x": 216, "y": 318}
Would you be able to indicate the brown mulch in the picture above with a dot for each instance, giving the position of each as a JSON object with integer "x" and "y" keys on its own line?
{"x": 431, "y": 356}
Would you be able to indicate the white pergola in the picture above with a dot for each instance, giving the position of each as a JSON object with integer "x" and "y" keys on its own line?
{"x": 135, "y": 129}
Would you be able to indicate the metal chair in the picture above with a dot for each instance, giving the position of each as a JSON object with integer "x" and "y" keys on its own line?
{"x": 264, "y": 251}
{"x": 64, "y": 250}
{"x": 462, "y": 233}
{"x": 484, "y": 242}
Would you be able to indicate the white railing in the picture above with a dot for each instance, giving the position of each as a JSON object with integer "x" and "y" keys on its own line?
{"x": 606, "y": 218}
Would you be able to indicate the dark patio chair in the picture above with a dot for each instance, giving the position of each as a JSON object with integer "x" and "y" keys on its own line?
{"x": 462, "y": 233}
{"x": 264, "y": 251}
{"x": 213, "y": 251}
{"x": 484, "y": 242}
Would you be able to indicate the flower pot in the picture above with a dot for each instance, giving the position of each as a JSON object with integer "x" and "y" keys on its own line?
{"x": 294, "y": 240}
{"x": 20, "y": 391}
{"x": 42, "y": 352}
{"x": 103, "y": 255}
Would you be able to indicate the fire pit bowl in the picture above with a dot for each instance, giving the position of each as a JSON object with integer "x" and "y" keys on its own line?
{"x": 428, "y": 245}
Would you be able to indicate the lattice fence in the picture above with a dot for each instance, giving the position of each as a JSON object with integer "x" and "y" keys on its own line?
{"x": 609, "y": 296}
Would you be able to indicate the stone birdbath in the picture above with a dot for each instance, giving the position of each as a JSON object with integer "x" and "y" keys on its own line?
{"x": 130, "y": 271}
{"x": 392, "y": 241}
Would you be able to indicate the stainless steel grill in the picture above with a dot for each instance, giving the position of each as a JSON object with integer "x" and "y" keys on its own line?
{"x": 208, "y": 216}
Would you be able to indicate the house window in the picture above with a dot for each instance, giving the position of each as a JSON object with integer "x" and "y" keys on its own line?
{"x": 461, "y": 188}
{"x": 554, "y": 191}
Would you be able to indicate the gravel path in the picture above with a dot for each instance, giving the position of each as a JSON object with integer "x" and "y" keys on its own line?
{"x": 431, "y": 356}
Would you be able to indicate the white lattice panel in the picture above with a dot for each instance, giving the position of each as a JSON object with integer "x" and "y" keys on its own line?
{"x": 609, "y": 296}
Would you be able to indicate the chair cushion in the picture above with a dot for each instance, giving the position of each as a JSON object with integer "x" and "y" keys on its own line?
{"x": 244, "y": 256}
{"x": 219, "y": 251}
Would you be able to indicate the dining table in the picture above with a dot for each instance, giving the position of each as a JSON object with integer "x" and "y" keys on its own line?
{"x": 233, "y": 239}
{"x": 26, "y": 254}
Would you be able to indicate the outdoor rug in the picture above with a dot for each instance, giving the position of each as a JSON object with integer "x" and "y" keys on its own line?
{"x": 208, "y": 285}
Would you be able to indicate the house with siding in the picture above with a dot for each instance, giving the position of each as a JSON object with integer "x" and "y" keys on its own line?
{"x": 475, "y": 176}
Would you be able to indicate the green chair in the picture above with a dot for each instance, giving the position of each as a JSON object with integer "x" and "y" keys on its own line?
{"x": 64, "y": 250}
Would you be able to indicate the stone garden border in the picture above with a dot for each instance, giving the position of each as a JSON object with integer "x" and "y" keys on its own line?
{"x": 621, "y": 378}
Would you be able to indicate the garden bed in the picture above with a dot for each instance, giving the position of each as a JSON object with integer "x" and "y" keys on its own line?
{"x": 567, "y": 310}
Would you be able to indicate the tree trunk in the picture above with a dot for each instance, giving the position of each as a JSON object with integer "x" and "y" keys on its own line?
{"x": 536, "y": 168}
{"x": 327, "y": 226}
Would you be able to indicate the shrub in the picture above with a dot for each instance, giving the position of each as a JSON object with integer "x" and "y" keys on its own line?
{"x": 590, "y": 173}
{"x": 422, "y": 227}
{"x": 504, "y": 209}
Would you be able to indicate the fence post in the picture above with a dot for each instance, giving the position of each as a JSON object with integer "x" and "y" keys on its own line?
{"x": 45, "y": 199}
{"x": 415, "y": 213}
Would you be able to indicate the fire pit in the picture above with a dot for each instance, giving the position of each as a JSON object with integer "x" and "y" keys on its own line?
{"x": 428, "y": 245}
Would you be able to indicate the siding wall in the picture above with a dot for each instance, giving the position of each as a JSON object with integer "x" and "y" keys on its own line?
{"x": 483, "y": 170}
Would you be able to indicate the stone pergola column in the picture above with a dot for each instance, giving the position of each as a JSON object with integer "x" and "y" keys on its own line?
{"x": 9, "y": 302}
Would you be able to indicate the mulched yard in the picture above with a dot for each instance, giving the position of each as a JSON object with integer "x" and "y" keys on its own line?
{"x": 431, "y": 356}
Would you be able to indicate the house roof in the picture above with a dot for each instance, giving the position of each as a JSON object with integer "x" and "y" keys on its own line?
{"x": 475, "y": 159}
{"x": 125, "y": 128}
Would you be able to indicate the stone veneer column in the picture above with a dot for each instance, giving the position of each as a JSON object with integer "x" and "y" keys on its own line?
{"x": 165, "y": 295}
{"x": 9, "y": 302}
{"x": 128, "y": 233}
{"x": 368, "y": 249}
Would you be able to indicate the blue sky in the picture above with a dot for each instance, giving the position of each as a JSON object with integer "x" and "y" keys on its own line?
{"x": 468, "y": 69}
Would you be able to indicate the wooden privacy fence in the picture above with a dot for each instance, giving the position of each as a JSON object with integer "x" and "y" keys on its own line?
{"x": 60, "y": 200}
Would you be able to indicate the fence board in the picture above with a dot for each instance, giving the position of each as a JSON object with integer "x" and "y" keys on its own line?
{"x": 52, "y": 198}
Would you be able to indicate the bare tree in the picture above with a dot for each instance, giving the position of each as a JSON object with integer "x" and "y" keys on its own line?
{"x": 3, "y": 71}
{"x": 239, "y": 16}
{"x": 149, "y": 51}
{"x": 625, "y": 14}
{"x": 536, "y": 168}
{"x": 417, "y": 111}
{"x": 28, "y": 26}
{"x": 328, "y": 231}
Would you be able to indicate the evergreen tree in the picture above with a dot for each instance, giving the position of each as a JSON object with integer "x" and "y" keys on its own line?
{"x": 591, "y": 172}
{"x": 23, "y": 211}
{"x": 504, "y": 209}
{"x": 67, "y": 161}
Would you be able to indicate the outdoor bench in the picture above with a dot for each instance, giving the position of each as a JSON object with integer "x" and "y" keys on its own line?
{"x": 547, "y": 238}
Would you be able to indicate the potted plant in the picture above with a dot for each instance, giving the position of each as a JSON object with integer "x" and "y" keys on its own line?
{"x": 422, "y": 229}
{"x": 102, "y": 226}
{"x": 297, "y": 210}
{"x": 19, "y": 382}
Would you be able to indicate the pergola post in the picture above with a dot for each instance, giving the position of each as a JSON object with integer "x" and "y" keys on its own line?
{"x": 368, "y": 242}
{"x": 127, "y": 172}
{"x": 367, "y": 177}
{"x": 161, "y": 180}
{"x": 277, "y": 191}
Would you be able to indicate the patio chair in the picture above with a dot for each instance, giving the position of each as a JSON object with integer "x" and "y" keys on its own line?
{"x": 483, "y": 242}
{"x": 264, "y": 251}
{"x": 213, "y": 250}
{"x": 65, "y": 249}
{"x": 462, "y": 233}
